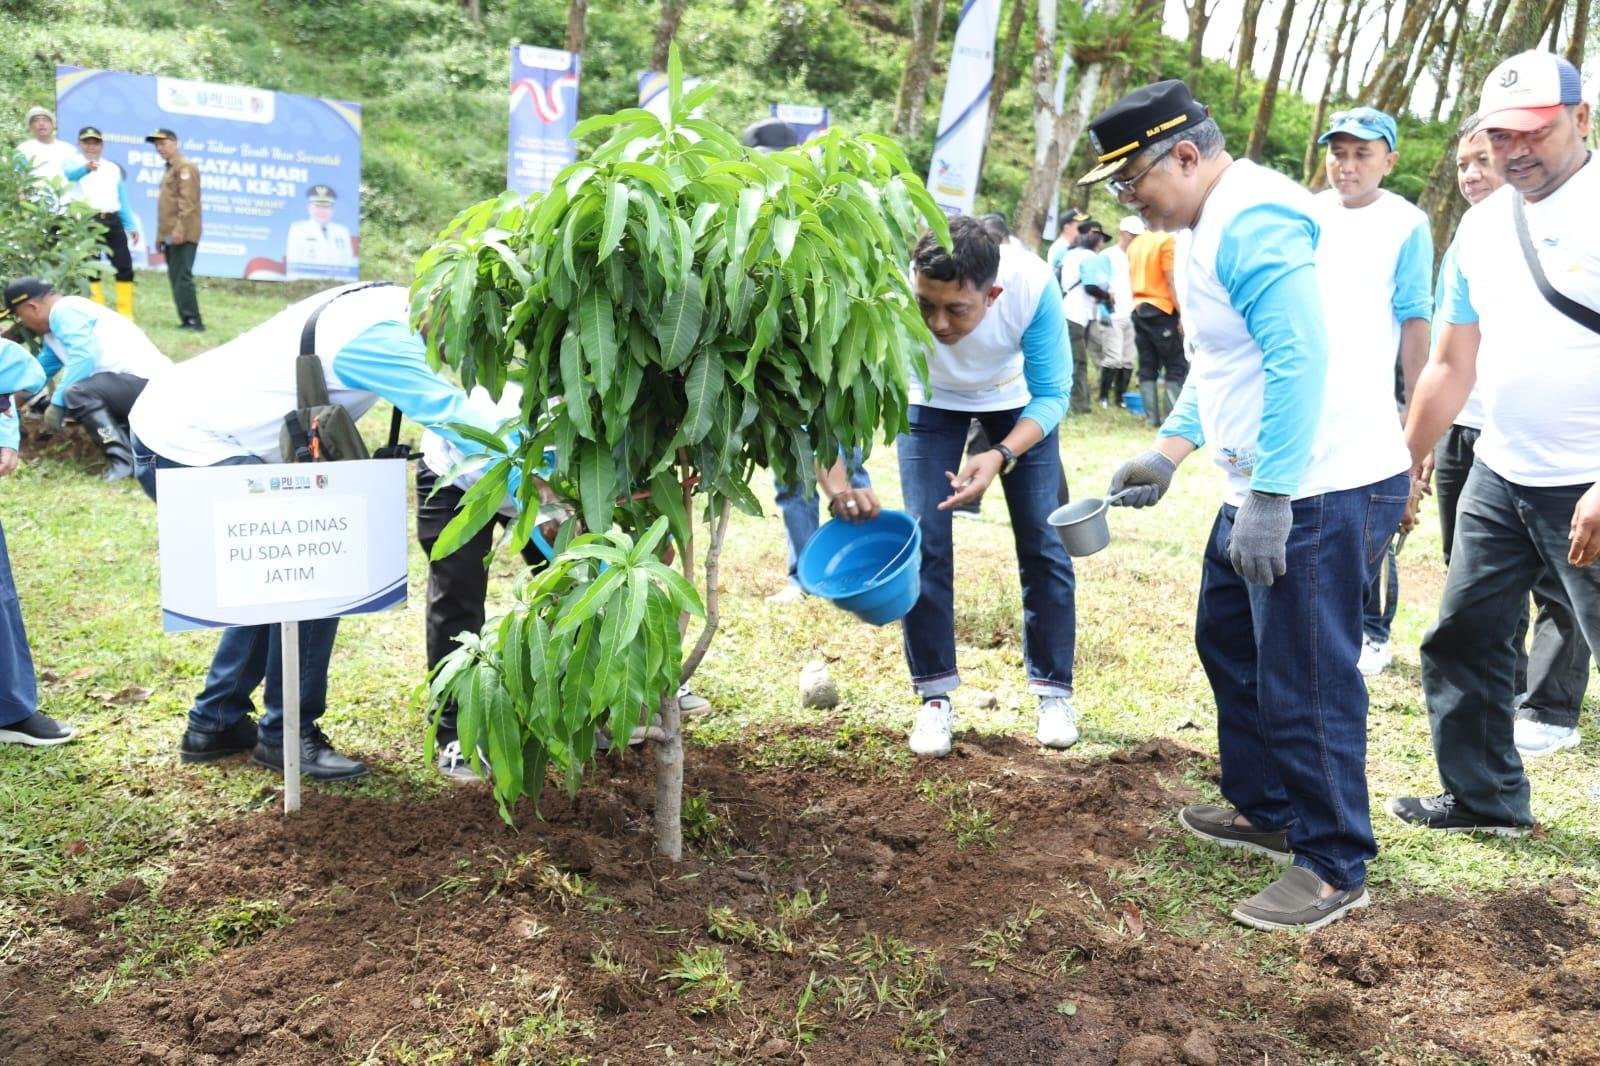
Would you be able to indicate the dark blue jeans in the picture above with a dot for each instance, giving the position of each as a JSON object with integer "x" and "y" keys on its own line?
{"x": 248, "y": 655}
{"x": 1382, "y": 601}
{"x": 800, "y": 508}
{"x": 1555, "y": 673}
{"x": 1049, "y": 621}
{"x": 1505, "y": 536}
{"x": 19, "y": 689}
{"x": 1291, "y": 705}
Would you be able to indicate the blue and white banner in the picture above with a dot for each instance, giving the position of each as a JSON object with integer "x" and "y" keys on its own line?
{"x": 806, "y": 121}
{"x": 964, "y": 118}
{"x": 544, "y": 108}
{"x": 260, "y": 155}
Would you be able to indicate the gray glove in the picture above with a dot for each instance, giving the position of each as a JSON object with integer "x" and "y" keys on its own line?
{"x": 1260, "y": 531}
{"x": 55, "y": 418}
{"x": 1148, "y": 475}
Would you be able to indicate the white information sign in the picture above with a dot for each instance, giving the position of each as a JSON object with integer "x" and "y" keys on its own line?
{"x": 255, "y": 544}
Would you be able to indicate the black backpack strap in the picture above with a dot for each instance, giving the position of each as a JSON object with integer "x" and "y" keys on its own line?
{"x": 311, "y": 384}
{"x": 1587, "y": 317}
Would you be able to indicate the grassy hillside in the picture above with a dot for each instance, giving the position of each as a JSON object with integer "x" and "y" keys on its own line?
{"x": 433, "y": 84}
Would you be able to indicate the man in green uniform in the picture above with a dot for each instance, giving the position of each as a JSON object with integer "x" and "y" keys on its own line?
{"x": 178, "y": 226}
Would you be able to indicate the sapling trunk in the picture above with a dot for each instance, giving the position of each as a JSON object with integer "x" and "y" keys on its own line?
{"x": 669, "y": 748}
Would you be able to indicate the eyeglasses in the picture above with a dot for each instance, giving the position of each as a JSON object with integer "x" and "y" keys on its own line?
{"x": 1125, "y": 186}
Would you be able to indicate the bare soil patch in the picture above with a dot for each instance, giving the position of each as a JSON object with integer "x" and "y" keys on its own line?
{"x": 973, "y": 917}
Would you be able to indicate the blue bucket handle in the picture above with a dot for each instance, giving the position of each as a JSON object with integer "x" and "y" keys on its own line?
{"x": 916, "y": 524}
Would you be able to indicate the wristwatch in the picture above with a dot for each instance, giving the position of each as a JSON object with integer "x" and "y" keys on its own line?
{"x": 1008, "y": 458}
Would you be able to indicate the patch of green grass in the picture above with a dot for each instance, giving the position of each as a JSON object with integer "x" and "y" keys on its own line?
{"x": 921, "y": 1037}
{"x": 972, "y": 824}
{"x": 237, "y": 922}
{"x": 998, "y": 946}
{"x": 536, "y": 1036}
{"x": 703, "y": 980}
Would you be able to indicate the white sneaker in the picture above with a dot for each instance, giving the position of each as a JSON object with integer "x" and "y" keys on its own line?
{"x": 1058, "y": 722}
{"x": 1535, "y": 739}
{"x": 790, "y": 593}
{"x": 1374, "y": 657}
{"x": 931, "y": 735}
{"x": 689, "y": 703}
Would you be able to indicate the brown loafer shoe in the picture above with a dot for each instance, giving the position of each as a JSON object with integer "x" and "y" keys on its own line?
{"x": 1295, "y": 902}
{"x": 1216, "y": 824}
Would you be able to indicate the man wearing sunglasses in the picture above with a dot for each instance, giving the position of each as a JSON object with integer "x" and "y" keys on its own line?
{"x": 1309, "y": 509}
{"x": 1521, "y": 321}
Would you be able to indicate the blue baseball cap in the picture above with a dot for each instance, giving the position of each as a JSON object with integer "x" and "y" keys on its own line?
{"x": 1365, "y": 123}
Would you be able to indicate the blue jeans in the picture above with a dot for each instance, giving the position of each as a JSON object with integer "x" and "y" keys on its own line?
{"x": 1049, "y": 622}
{"x": 1382, "y": 601}
{"x": 1291, "y": 705}
{"x": 800, "y": 509}
{"x": 1506, "y": 537}
{"x": 19, "y": 689}
{"x": 248, "y": 655}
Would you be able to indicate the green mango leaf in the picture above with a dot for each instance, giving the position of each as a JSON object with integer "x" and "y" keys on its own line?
{"x": 702, "y": 389}
{"x": 597, "y": 323}
{"x": 616, "y": 217}
{"x": 679, "y": 325}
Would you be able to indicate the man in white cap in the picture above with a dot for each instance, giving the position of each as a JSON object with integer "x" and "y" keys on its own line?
{"x": 50, "y": 159}
{"x": 1521, "y": 319}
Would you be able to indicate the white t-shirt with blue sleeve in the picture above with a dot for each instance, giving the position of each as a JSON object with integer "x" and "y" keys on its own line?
{"x": 1257, "y": 386}
{"x": 19, "y": 372}
{"x": 1538, "y": 371}
{"x": 1018, "y": 356}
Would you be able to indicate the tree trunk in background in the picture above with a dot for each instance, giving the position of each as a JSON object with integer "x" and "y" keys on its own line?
{"x": 577, "y": 24}
{"x": 1347, "y": 51}
{"x": 1310, "y": 169}
{"x": 1005, "y": 62}
{"x": 1247, "y": 45}
{"x": 1199, "y": 18}
{"x": 1269, "y": 90}
{"x": 1307, "y": 47}
{"x": 926, "y": 18}
{"x": 1520, "y": 29}
{"x": 1028, "y": 222}
{"x": 1388, "y": 81}
{"x": 474, "y": 10}
{"x": 1550, "y": 21}
{"x": 1580, "y": 30}
{"x": 666, "y": 30}
{"x": 1447, "y": 65}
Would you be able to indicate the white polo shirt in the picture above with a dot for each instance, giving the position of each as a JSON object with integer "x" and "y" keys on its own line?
{"x": 1538, "y": 370}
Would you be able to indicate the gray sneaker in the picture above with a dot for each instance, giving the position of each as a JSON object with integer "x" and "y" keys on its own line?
{"x": 1216, "y": 824}
{"x": 1294, "y": 902}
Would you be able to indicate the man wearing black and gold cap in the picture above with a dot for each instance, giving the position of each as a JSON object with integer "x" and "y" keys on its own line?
{"x": 104, "y": 188}
{"x": 178, "y": 226}
{"x": 1309, "y": 510}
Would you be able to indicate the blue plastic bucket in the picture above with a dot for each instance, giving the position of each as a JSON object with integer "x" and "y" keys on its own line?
{"x": 1133, "y": 403}
{"x": 872, "y": 569}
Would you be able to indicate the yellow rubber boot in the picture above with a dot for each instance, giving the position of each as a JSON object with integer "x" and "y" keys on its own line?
{"x": 125, "y": 299}
{"x": 97, "y": 293}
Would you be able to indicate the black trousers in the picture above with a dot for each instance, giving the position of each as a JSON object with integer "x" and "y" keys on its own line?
{"x": 106, "y": 391}
{"x": 1160, "y": 344}
{"x": 458, "y": 583}
{"x": 115, "y": 242}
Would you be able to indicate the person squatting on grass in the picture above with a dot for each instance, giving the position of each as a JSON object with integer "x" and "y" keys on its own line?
{"x": 1000, "y": 355}
{"x": 21, "y": 721}
{"x": 105, "y": 362}
{"x": 226, "y": 407}
{"x": 1531, "y": 502}
{"x": 1375, "y": 262}
{"x": 1316, "y": 488}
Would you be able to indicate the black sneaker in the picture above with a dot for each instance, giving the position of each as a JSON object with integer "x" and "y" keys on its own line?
{"x": 206, "y": 747}
{"x": 1441, "y": 812}
{"x": 318, "y": 760}
{"x": 1217, "y": 825}
{"x": 38, "y": 730}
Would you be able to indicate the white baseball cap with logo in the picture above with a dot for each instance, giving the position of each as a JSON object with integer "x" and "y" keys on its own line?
{"x": 1528, "y": 91}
